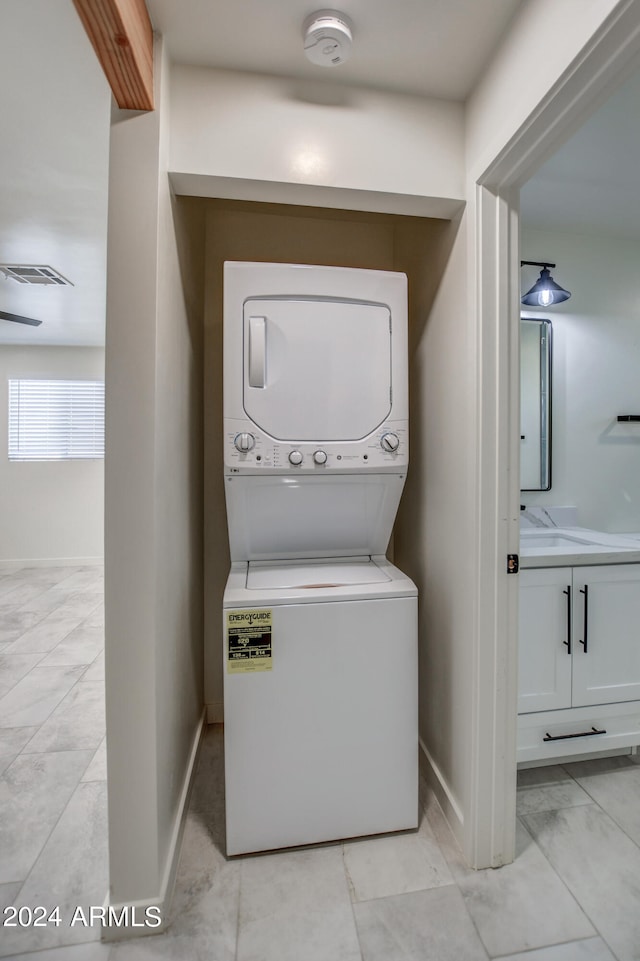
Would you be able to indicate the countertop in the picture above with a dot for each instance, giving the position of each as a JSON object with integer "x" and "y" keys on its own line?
{"x": 603, "y": 548}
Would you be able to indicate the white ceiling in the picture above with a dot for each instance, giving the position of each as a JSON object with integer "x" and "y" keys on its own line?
{"x": 55, "y": 126}
{"x": 433, "y": 47}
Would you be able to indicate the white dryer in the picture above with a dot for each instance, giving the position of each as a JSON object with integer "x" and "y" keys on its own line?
{"x": 320, "y": 649}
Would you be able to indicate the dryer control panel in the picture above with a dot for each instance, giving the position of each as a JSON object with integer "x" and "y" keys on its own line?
{"x": 249, "y": 450}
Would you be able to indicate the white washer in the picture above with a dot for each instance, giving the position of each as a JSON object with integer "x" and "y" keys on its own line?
{"x": 320, "y": 649}
{"x": 325, "y": 744}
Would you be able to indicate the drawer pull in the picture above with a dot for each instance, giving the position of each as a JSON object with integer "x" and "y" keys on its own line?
{"x": 564, "y": 737}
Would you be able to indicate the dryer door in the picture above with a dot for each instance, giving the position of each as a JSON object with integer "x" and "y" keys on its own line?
{"x": 316, "y": 369}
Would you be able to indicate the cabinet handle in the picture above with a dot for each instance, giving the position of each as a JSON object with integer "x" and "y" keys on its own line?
{"x": 565, "y": 737}
{"x": 586, "y": 615}
{"x": 568, "y": 640}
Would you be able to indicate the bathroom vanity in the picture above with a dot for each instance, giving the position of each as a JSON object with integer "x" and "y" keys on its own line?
{"x": 579, "y": 643}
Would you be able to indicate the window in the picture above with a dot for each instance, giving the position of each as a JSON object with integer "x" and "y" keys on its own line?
{"x": 56, "y": 420}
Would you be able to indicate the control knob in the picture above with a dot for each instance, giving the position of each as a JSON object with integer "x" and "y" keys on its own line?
{"x": 295, "y": 458}
{"x": 244, "y": 442}
{"x": 390, "y": 442}
{"x": 320, "y": 457}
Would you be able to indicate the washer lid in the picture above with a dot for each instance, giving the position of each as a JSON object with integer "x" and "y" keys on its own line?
{"x": 312, "y": 576}
{"x": 285, "y": 517}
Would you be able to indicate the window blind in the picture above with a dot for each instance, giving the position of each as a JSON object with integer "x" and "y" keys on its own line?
{"x": 56, "y": 420}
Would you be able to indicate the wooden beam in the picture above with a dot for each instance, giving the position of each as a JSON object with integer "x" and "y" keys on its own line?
{"x": 122, "y": 37}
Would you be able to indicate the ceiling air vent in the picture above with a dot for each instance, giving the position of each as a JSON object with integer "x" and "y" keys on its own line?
{"x": 38, "y": 274}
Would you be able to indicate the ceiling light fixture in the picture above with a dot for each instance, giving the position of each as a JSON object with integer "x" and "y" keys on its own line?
{"x": 545, "y": 292}
{"x": 328, "y": 36}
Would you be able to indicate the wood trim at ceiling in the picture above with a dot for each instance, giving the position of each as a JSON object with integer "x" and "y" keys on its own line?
{"x": 122, "y": 37}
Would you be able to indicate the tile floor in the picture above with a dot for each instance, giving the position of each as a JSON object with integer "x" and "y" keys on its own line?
{"x": 572, "y": 894}
{"x": 53, "y": 797}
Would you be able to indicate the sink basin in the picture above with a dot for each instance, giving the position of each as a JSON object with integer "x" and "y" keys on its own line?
{"x": 545, "y": 539}
{"x": 557, "y": 542}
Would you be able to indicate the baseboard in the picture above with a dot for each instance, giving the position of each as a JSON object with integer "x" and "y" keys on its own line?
{"x": 570, "y": 758}
{"x": 215, "y": 713}
{"x": 434, "y": 778}
{"x": 140, "y": 917}
{"x": 18, "y": 562}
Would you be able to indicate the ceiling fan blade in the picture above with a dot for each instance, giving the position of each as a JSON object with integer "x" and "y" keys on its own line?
{"x": 18, "y": 319}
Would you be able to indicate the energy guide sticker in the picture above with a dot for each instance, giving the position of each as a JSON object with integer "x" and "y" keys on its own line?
{"x": 249, "y": 641}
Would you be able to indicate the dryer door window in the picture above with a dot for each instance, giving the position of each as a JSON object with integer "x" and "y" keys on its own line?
{"x": 316, "y": 370}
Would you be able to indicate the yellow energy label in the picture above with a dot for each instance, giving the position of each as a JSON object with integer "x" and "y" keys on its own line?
{"x": 249, "y": 641}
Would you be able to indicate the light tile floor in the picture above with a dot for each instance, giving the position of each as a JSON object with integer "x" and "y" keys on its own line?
{"x": 572, "y": 894}
{"x": 53, "y": 798}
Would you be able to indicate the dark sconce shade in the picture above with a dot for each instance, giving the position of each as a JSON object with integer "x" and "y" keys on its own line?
{"x": 545, "y": 292}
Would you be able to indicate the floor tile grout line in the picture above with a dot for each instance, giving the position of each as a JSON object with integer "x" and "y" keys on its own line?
{"x": 53, "y": 667}
{"x": 43, "y": 591}
{"x": 18, "y": 611}
{"x": 54, "y": 708}
{"x": 559, "y": 944}
{"x": 48, "y": 614}
{"x": 46, "y": 841}
{"x": 240, "y": 874}
{"x": 454, "y": 880}
{"x": 350, "y": 893}
{"x": 566, "y": 886}
{"x": 24, "y": 676}
{"x": 613, "y": 820}
{"x": 604, "y": 810}
{"x": 23, "y": 753}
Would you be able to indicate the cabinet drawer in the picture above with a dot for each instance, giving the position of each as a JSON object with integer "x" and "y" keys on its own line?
{"x": 620, "y": 722}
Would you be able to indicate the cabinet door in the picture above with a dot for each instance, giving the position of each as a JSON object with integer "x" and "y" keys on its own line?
{"x": 606, "y": 659}
{"x": 544, "y": 657}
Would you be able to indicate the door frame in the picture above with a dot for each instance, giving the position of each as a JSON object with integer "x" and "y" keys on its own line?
{"x": 610, "y": 57}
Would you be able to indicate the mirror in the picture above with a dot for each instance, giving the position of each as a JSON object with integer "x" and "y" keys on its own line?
{"x": 535, "y": 404}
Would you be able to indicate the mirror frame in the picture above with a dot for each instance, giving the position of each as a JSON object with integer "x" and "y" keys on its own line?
{"x": 544, "y": 400}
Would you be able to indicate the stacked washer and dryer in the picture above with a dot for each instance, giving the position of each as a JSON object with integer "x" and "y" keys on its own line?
{"x": 320, "y": 630}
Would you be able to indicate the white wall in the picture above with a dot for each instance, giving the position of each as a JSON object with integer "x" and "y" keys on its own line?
{"x": 50, "y": 511}
{"x": 596, "y": 358}
{"x": 392, "y": 154}
{"x": 540, "y": 46}
{"x": 462, "y": 376}
{"x": 153, "y": 488}
{"x": 253, "y": 137}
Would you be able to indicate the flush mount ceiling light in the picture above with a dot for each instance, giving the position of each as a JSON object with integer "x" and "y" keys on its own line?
{"x": 545, "y": 292}
{"x": 327, "y": 38}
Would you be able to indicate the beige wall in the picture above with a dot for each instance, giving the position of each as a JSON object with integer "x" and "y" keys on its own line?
{"x": 432, "y": 529}
{"x": 295, "y": 235}
{"x": 50, "y": 511}
{"x": 153, "y": 488}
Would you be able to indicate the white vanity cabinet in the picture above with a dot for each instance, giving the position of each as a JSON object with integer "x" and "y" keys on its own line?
{"x": 579, "y": 660}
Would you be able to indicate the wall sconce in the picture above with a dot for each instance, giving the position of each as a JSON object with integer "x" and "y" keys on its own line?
{"x": 545, "y": 292}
